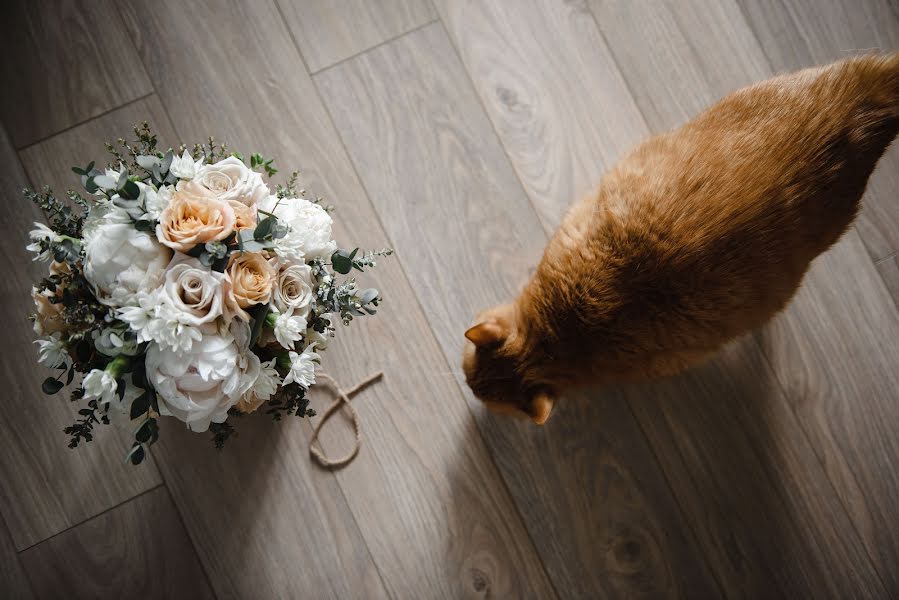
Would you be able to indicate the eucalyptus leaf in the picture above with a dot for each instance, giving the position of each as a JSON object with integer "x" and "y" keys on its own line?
{"x": 147, "y": 162}
{"x": 264, "y": 228}
{"x": 51, "y": 385}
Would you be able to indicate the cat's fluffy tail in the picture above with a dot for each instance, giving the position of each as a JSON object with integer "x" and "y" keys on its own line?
{"x": 869, "y": 85}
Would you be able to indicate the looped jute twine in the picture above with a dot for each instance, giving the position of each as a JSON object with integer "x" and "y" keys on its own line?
{"x": 342, "y": 400}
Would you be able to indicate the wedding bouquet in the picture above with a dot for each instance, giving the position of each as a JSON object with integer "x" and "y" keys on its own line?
{"x": 181, "y": 286}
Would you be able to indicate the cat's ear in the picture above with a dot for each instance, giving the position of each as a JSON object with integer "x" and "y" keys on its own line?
{"x": 488, "y": 333}
{"x": 541, "y": 407}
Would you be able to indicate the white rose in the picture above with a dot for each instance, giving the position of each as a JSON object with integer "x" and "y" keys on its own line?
{"x": 302, "y": 367}
{"x": 100, "y": 385}
{"x": 184, "y": 167}
{"x": 292, "y": 291}
{"x": 231, "y": 179}
{"x": 194, "y": 291}
{"x": 199, "y": 386}
{"x": 310, "y": 228}
{"x": 120, "y": 261}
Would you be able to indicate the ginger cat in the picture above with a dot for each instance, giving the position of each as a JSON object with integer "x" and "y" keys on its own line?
{"x": 696, "y": 237}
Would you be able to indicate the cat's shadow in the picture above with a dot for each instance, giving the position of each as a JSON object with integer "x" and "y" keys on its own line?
{"x": 659, "y": 484}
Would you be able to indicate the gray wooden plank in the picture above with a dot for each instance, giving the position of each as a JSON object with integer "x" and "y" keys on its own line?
{"x": 552, "y": 91}
{"x": 328, "y": 31}
{"x": 889, "y": 272}
{"x": 597, "y": 507}
{"x": 429, "y": 504}
{"x": 136, "y": 550}
{"x": 800, "y": 33}
{"x": 64, "y": 62}
{"x": 48, "y": 486}
{"x": 13, "y": 580}
{"x": 842, "y": 397}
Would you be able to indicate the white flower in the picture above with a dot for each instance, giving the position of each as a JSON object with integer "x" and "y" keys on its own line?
{"x": 309, "y": 226}
{"x": 293, "y": 289}
{"x": 42, "y": 233}
{"x": 302, "y": 367}
{"x": 52, "y": 352}
{"x": 194, "y": 291}
{"x": 231, "y": 179}
{"x": 113, "y": 342}
{"x": 266, "y": 384}
{"x": 155, "y": 202}
{"x": 185, "y": 167}
{"x": 120, "y": 261}
{"x": 119, "y": 411}
{"x": 200, "y": 385}
{"x": 289, "y": 329}
{"x": 153, "y": 320}
{"x": 100, "y": 385}
{"x": 319, "y": 339}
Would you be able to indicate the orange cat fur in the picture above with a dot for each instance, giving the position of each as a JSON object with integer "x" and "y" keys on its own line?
{"x": 697, "y": 236}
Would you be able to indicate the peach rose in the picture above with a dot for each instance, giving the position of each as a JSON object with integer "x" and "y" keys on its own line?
{"x": 48, "y": 319}
{"x": 251, "y": 279}
{"x": 245, "y": 216}
{"x": 194, "y": 216}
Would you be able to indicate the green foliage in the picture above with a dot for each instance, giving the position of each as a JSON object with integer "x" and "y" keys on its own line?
{"x": 61, "y": 217}
{"x": 221, "y": 432}
{"x": 257, "y": 160}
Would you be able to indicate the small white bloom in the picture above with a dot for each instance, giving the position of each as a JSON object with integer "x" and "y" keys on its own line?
{"x": 185, "y": 167}
{"x": 309, "y": 225}
{"x": 52, "y": 352}
{"x": 155, "y": 202}
{"x": 267, "y": 382}
{"x": 289, "y": 329}
{"x": 42, "y": 233}
{"x": 153, "y": 320}
{"x": 101, "y": 386}
{"x": 302, "y": 367}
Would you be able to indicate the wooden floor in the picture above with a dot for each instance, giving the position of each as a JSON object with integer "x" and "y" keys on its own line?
{"x": 457, "y": 132}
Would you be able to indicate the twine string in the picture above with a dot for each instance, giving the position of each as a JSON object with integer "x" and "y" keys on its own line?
{"x": 342, "y": 400}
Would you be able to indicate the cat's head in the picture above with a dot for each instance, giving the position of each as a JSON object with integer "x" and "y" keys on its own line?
{"x": 495, "y": 369}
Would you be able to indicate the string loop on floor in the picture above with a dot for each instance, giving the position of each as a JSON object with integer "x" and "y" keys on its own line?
{"x": 342, "y": 400}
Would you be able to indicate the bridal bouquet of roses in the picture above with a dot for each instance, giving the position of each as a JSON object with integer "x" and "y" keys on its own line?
{"x": 180, "y": 285}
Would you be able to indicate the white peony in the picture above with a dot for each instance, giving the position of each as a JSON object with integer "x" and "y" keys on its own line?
{"x": 292, "y": 291}
{"x": 52, "y": 352}
{"x": 185, "y": 167}
{"x": 302, "y": 367}
{"x": 289, "y": 329}
{"x": 120, "y": 261}
{"x": 198, "y": 386}
{"x": 194, "y": 291}
{"x": 309, "y": 234}
{"x": 100, "y": 385}
{"x": 230, "y": 179}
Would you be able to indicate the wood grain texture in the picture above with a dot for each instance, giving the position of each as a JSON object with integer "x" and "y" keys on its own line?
{"x": 329, "y": 31}
{"x": 13, "y": 581}
{"x": 552, "y": 90}
{"x": 832, "y": 350}
{"x": 64, "y": 62}
{"x": 429, "y": 504}
{"x": 48, "y": 486}
{"x": 136, "y": 550}
{"x": 597, "y": 507}
{"x": 889, "y": 272}
{"x": 801, "y": 33}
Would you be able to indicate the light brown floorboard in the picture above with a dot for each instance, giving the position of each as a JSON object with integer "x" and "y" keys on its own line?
{"x": 801, "y": 33}
{"x": 47, "y": 486}
{"x": 328, "y": 32}
{"x": 428, "y": 502}
{"x": 136, "y": 550}
{"x": 834, "y": 350}
{"x": 64, "y": 61}
{"x": 597, "y": 508}
{"x": 889, "y": 272}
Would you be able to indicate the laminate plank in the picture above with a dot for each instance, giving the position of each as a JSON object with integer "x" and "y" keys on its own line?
{"x": 842, "y": 398}
{"x": 596, "y": 505}
{"x": 328, "y": 32}
{"x": 802, "y": 33}
{"x": 889, "y": 272}
{"x": 47, "y": 486}
{"x": 136, "y": 550}
{"x": 427, "y": 499}
{"x": 13, "y": 580}
{"x": 64, "y": 62}
{"x": 552, "y": 91}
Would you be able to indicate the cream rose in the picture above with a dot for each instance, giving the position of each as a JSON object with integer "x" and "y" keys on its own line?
{"x": 194, "y": 216}
{"x": 195, "y": 292}
{"x": 245, "y": 216}
{"x": 48, "y": 319}
{"x": 293, "y": 290}
{"x": 251, "y": 278}
{"x": 231, "y": 179}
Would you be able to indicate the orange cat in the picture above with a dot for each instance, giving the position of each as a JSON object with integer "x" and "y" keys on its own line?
{"x": 697, "y": 236}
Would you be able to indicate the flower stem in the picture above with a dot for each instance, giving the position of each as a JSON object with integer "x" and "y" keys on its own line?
{"x": 118, "y": 365}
